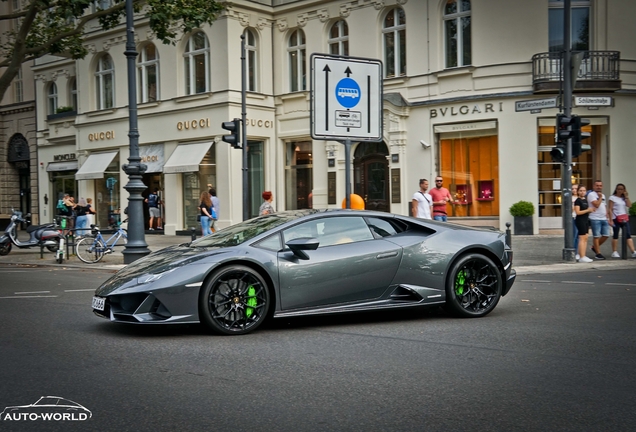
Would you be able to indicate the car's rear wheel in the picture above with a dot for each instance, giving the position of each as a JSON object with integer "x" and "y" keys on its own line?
{"x": 474, "y": 286}
{"x": 234, "y": 300}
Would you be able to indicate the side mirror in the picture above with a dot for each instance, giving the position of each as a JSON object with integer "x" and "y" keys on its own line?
{"x": 299, "y": 245}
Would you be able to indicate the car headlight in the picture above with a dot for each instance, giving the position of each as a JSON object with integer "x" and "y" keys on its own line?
{"x": 147, "y": 278}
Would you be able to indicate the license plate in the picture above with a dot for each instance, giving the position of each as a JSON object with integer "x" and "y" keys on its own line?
{"x": 98, "y": 303}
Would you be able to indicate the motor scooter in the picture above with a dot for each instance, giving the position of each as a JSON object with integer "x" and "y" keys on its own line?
{"x": 39, "y": 236}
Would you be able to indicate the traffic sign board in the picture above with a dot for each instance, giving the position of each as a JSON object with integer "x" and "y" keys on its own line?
{"x": 339, "y": 85}
{"x": 534, "y": 104}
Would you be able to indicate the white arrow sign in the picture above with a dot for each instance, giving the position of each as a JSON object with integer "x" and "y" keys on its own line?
{"x": 346, "y": 98}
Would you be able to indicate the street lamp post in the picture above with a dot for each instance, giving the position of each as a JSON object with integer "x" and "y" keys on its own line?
{"x": 136, "y": 246}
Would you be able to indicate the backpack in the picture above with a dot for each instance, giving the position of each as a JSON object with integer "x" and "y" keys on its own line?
{"x": 152, "y": 200}
{"x": 60, "y": 205}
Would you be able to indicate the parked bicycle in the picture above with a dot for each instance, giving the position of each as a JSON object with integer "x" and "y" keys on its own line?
{"x": 92, "y": 249}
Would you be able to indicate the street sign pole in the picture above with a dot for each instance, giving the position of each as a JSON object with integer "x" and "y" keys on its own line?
{"x": 246, "y": 214}
{"x": 347, "y": 144}
{"x": 566, "y": 204}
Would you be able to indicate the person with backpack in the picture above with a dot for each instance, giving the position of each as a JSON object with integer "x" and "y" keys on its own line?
{"x": 154, "y": 202}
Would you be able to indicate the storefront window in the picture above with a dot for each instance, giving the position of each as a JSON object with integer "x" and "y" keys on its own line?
{"x": 108, "y": 201}
{"x": 255, "y": 175}
{"x": 470, "y": 168}
{"x": 298, "y": 175}
{"x": 195, "y": 183}
{"x": 63, "y": 183}
{"x": 550, "y": 187}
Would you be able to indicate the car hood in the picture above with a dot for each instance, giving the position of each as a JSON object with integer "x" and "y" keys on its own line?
{"x": 170, "y": 259}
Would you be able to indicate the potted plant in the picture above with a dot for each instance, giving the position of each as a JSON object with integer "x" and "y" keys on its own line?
{"x": 632, "y": 218}
{"x": 522, "y": 212}
{"x": 62, "y": 111}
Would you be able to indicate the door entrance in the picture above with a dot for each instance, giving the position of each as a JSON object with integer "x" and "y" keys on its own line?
{"x": 153, "y": 180}
{"x": 371, "y": 175}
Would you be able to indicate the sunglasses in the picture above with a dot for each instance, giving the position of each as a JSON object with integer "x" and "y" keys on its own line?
{"x": 438, "y": 181}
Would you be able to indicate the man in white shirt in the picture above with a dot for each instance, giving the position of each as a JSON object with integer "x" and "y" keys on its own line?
{"x": 598, "y": 218}
{"x": 422, "y": 204}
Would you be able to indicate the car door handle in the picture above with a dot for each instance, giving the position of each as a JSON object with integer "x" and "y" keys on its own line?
{"x": 386, "y": 255}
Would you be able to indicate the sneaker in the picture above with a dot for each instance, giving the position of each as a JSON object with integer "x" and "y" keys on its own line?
{"x": 585, "y": 259}
{"x": 634, "y": 255}
{"x": 615, "y": 255}
{"x": 151, "y": 229}
{"x": 599, "y": 257}
{"x": 578, "y": 257}
{"x": 159, "y": 228}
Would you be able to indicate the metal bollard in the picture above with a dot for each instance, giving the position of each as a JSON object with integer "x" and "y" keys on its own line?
{"x": 508, "y": 235}
{"x": 193, "y": 233}
{"x": 624, "y": 241}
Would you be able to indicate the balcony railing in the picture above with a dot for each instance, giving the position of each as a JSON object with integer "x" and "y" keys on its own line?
{"x": 599, "y": 71}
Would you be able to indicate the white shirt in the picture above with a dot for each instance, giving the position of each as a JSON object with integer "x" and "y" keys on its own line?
{"x": 424, "y": 203}
{"x": 601, "y": 212}
{"x": 619, "y": 207}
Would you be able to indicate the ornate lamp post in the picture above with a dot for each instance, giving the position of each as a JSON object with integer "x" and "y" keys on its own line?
{"x": 136, "y": 247}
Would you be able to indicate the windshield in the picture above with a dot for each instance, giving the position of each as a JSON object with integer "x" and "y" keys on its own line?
{"x": 249, "y": 229}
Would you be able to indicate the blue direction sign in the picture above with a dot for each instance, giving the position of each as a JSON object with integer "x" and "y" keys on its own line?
{"x": 346, "y": 98}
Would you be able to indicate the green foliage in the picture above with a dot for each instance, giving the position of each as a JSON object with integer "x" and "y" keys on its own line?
{"x": 522, "y": 208}
{"x": 63, "y": 109}
{"x": 632, "y": 209}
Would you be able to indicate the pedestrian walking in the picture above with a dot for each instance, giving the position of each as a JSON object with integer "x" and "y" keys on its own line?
{"x": 266, "y": 208}
{"x": 441, "y": 196}
{"x": 153, "y": 208}
{"x": 619, "y": 202}
{"x": 81, "y": 217}
{"x": 598, "y": 218}
{"x": 582, "y": 211}
{"x": 205, "y": 203}
{"x": 216, "y": 205}
{"x": 422, "y": 202}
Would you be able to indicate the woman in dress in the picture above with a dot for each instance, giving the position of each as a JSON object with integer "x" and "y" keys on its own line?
{"x": 266, "y": 208}
{"x": 204, "y": 208}
{"x": 619, "y": 202}
{"x": 582, "y": 210}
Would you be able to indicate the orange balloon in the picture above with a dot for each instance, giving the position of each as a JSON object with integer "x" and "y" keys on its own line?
{"x": 357, "y": 203}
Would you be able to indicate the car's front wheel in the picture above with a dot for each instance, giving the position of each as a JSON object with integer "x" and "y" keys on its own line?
{"x": 234, "y": 300}
{"x": 474, "y": 286}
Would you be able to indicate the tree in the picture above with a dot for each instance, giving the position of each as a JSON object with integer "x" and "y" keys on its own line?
{"x": 56, "y": 27}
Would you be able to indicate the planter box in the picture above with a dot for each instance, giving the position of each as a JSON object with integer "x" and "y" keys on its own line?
{"x": 53, "y": 117}
{"x": 523, "y": 225}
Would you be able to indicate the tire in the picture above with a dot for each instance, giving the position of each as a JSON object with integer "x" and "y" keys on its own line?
{"x": 53, "y": 248}
{"x": 474, "y": 286}
{"x": 5, "y": 248}
{"x": 234, "y": 301}
{"x": 89, "y": 250}
{"x": 59, "y": 258}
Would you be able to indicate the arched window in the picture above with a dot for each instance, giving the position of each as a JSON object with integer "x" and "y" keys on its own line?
{"x": 394, "y": 32}
{"x": 457, "y": 33}
{"x": 148, "y": 69}
{"x": 105, "y": 82}
{"x": 297, "y": 67}
{"x": 52, "y": 98}
{"x": 197, "y": 64}
{"x": 251, "y": 52}
{"x": 73, "y": 93}
{"x": 339, "y": 38}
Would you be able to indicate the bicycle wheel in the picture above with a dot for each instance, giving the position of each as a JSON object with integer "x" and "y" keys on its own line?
{"x": 90, "y": 250}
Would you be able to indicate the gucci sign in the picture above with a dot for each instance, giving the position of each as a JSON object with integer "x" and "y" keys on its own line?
{"x": 100, "y": 136}
{"x": 193, "y": 124}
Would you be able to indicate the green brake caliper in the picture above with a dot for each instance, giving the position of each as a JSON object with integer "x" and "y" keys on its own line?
{"x": 460, "y": 283}
{"x": 251, "y": 301}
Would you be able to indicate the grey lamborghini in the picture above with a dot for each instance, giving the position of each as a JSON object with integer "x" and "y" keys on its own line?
{"x": 306, "y": 262}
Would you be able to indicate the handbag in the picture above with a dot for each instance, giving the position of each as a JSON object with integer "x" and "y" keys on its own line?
{"x": 622, "y": 218}
{"x": 213, "y": 214}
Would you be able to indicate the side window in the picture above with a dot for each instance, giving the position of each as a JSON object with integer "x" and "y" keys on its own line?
{"x": 381, "y": 227}
{"x": 332, "y": 231}
{"x": 270, "y": 243}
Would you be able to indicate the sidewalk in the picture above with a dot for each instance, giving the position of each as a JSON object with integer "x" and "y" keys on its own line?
{"x": 532, "y": 254}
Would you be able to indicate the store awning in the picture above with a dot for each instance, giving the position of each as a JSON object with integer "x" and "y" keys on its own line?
{"x": 95, "y": 166}
{"x": 186, "y": 158}
{"x": 62, "y": 166}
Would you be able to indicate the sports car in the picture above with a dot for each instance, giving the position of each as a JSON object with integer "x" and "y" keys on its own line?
{"x": 306, "y": 262}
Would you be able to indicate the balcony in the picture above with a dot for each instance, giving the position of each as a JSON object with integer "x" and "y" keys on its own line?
{"x": 599, "y": 72}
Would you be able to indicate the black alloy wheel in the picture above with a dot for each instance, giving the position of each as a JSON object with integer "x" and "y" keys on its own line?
{"x": 474, "y": 286}
{"x": 234, "y": 300}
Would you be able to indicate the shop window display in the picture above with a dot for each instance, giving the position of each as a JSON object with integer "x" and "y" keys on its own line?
{"x": 108, "y": 200}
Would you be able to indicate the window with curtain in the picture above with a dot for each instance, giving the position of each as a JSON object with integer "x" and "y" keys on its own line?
{"x": 297, "y": 64}
{"x": 394, "y": 35}
{"x": 148, "y": 71}
{"x": 105, "y": 82}
{"x": 251, "y": 54}
{"x": 339, "y": 38}
{"x": 52, "y": 98}
{"x": 457, "y": 33}
{"x": 197, "y": 64}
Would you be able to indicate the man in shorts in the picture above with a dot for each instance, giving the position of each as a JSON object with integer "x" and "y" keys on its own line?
{"x": 154, "y": 210}
{"x": 598, "y": 218}
{"x": 441, "y": 196}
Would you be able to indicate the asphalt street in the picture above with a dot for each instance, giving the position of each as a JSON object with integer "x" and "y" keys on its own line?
{"x": 556, "y": 354}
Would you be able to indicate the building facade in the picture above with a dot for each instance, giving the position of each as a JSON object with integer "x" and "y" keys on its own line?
{"x": 469, "y": 90}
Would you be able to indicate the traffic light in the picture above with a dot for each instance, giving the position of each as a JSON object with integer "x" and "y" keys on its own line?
{"x": 563, "y": 133}
{"x": 578, "y": 136}
{"x": 234, "y": 126}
